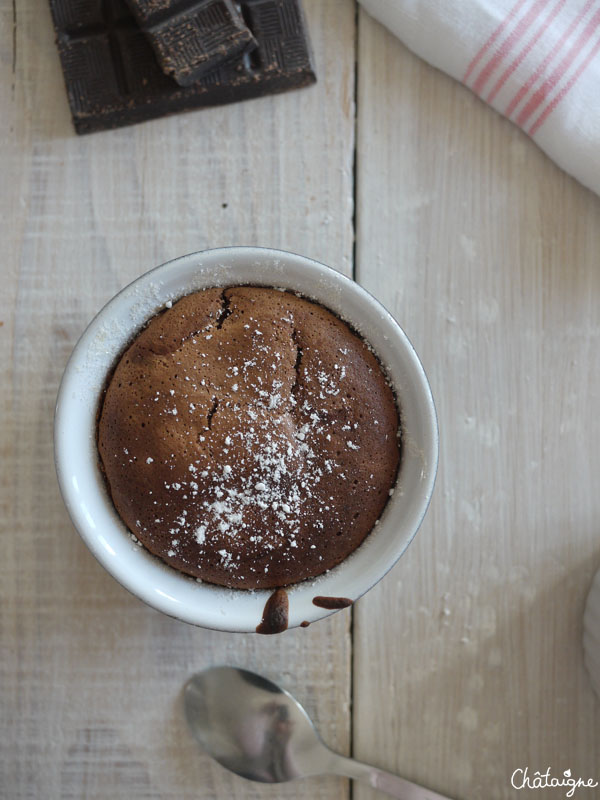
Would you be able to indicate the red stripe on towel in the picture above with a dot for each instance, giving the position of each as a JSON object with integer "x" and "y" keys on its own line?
{"x": 565, "y": 90}
{"x": 539, "y": 71}
{"x": 525, "y": 51}
{"x": 503, "y": 51}
{"x": 550, "y": 83}
{"x": 479, "y": 55}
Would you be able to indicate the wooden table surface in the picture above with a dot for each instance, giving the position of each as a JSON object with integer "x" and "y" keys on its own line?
{"x": 465, "y": 662}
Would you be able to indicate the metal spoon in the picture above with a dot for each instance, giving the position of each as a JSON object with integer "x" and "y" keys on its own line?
{"x": 259, "y": 731}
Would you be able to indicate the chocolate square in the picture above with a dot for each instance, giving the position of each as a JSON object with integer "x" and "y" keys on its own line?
{"x": 192, "y": 37}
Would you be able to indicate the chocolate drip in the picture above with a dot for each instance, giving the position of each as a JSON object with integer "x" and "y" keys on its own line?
{"x": 332, "y": 602}
{"x": 275, "y": 615}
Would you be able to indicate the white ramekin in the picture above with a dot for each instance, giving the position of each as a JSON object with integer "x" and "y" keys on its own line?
{"x": 82, "y": 484}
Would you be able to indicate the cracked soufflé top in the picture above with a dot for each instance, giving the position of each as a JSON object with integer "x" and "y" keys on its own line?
{"x": 249, "y": 437}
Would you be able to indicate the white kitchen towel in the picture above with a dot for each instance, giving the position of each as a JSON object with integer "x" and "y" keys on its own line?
{"x": 535, "y": 61}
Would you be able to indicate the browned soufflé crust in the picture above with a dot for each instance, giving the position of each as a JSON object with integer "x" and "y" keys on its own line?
{"x": 249, "y": 438}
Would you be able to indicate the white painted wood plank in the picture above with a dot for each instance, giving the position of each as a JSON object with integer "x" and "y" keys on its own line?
{"x": 468, "y": 661}
{"x": 90, "y": 678}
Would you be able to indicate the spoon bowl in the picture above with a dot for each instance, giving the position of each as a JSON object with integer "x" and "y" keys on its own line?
{"x": 259, "y": 731}
{"x": 251, "y": 726}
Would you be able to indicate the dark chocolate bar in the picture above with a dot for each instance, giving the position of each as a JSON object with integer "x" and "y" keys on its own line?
{"x": 191, "y": 37}
{"x": 113, "y": 78}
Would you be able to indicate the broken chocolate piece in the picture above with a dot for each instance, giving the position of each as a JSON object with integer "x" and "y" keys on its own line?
{"x": 192, "y": 37}
{"x": 113, "y": 77}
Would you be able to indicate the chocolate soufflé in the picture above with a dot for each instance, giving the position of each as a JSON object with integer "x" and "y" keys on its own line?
{"x": 249, "y": 437}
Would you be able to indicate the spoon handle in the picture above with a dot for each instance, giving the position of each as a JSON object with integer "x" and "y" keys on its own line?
{"x": 384, "y": 781}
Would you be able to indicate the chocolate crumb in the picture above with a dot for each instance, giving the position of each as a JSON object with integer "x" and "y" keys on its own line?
{"x": 332, "y": 602}
{"x": 275, "y": 614}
